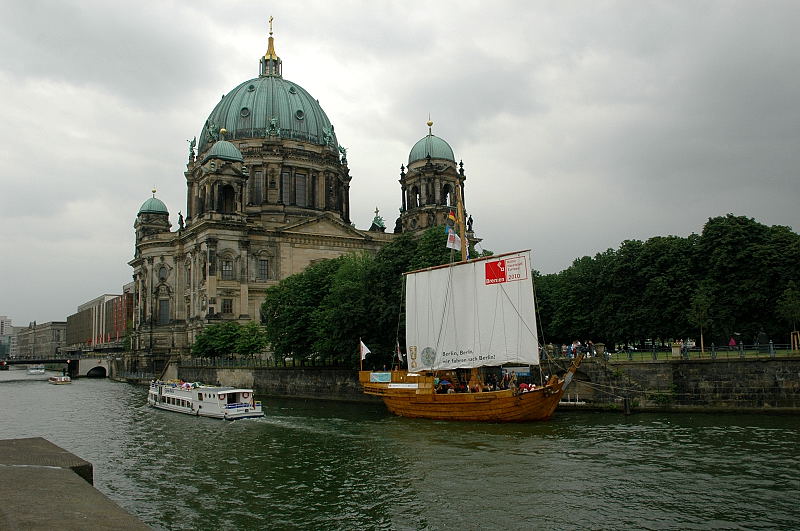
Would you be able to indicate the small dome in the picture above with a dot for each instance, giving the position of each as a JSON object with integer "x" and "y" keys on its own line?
{"x": 153, "y": 206}
{"x": 431, "y": 145}
{"x": 222, "y": 149}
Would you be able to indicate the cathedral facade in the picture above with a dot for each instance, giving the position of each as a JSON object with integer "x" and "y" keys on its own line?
{"x": 267, "y": 194}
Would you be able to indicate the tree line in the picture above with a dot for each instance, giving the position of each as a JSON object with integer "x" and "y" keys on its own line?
{"x": 738, "y": 278}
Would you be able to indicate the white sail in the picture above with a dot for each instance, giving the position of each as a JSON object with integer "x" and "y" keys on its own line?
{"x": 471, "y": 314}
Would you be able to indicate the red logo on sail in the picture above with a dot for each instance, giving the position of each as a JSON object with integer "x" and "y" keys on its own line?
{"x": 496, "y": 272}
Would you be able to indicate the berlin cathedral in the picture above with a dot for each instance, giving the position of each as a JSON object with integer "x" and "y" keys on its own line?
{"x": 267, "y": 194}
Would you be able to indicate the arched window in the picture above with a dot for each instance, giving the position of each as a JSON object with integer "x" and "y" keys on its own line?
{"x": 414, "y": 197}
{"x": 227, "y": 199}
{"x": 447, "y": 198}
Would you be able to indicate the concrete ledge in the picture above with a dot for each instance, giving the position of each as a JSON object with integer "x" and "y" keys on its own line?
{"x": 44, "y": 487}
{"x": 37, "y": 451}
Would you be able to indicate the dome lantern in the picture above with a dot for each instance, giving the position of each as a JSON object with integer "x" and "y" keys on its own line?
{"x": 270, "y": 64}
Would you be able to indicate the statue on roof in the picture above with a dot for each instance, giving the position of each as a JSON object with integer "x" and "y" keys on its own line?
{"x": 273, "y": 130}
{"x": 327, "y": 135}
{"x": 212, "y": 130}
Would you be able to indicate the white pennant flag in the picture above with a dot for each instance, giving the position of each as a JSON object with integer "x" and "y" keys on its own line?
{"x": 364, "y": 350}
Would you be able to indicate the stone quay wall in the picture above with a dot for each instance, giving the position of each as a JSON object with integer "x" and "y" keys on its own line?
{"x": 692, "y": 385}
{"x": 310, "y": 382}
{"x": 673, "y": 385}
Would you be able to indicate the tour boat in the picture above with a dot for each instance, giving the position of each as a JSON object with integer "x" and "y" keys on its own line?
{"x": 228, "y": 403}
{"x": 36, "y": 369}
{"x": 59, "y": 380}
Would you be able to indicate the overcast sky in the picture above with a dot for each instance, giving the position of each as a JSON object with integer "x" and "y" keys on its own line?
{"x": 580, "y": 124}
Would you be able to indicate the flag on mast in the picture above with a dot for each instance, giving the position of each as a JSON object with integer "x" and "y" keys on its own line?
{"x": 399, "y": 354}
{"x": 364, "y": 350}
{"x": 450, "y": 223}
{"x": 453, "y": 241}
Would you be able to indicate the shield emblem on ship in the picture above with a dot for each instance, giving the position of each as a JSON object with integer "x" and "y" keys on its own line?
{"x": 428, "y": 356}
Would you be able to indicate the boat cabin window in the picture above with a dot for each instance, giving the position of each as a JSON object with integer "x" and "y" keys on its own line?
{"x": 200, "y": 396}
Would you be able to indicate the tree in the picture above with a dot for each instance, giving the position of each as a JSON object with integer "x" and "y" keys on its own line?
{"x": 217, "y": 340}
{"x": 287, "y": 309}
{"x": 326, "y": 308}
{"x": 700, "y": 311}
{"x": 789, "y": 304}
{"x": 251, "y": 340}
{"x": 343, "y": 315}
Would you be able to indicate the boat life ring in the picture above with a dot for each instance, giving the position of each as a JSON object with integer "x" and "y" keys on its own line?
{"x": 245, "y": 395}
{"x": 222, "y": 397}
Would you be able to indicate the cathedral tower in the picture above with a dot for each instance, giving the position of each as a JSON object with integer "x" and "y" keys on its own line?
{"x": 429, "y": 184}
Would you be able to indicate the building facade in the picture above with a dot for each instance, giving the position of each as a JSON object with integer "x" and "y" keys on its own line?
{"x": 8, "y": 338}
{"x": 267, "y": 194}
{"x": 100, "y": 325}
{"x": 41, "y": 341}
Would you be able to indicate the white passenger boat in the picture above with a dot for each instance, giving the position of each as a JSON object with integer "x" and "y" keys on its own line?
{"x": 59, "y": 380}
{"x": 36, "y": 369}
{"x": 228, "y": 403}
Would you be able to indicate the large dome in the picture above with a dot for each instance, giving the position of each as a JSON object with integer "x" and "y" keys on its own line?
{"x": 269, "y": 106}
{"x": 433, "y": 146}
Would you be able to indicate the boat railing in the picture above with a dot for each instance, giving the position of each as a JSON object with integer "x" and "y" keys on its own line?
{"x": 241, "y": 405}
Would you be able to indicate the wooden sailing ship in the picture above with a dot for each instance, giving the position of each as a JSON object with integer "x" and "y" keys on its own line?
{"x": 464, "y": 318}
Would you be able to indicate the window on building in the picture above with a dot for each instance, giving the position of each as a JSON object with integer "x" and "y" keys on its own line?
{"x": 258, "y": 188}
{"x": 227, "y": 199}
{"x": 263, "y": 269}
{"x": 227, "y": 305}
{"x": 163, "y": 311}
{"x": 300, "y": 189}
{"x": 286, "y": 187}
{"x": 162, "y": 273}
{"x": 227, "y": 270}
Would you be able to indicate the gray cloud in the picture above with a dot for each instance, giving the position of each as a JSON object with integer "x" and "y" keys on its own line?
{"x": 580, "y": 125}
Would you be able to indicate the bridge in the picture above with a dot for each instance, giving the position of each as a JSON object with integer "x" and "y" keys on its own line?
{"x": 75, "y": 366}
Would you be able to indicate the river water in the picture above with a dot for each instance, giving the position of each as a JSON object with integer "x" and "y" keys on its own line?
{"x": 327, "y": 465}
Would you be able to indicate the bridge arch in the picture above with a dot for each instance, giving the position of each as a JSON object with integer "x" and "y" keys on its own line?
{"x": 97, "y": 372}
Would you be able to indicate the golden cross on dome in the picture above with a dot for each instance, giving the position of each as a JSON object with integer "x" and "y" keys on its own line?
{"x": 270, "y": 24}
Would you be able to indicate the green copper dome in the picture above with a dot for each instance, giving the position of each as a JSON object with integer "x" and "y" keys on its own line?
{"x": 431, "y": 145}
{"x": 153, "y": 206}
{"x": 222, "y": 149}
{"x": 269, "y": 106}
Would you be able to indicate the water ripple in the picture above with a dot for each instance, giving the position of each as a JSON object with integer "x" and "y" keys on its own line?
{"x": 337, "y": 466}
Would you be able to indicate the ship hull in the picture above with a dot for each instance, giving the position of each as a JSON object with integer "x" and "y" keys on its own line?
{"x": 413, "y": 397}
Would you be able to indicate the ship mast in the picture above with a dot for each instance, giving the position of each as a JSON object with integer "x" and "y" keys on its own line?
{"x": 461, "y": 232}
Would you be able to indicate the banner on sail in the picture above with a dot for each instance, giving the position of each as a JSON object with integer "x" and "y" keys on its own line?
{"x": 471, "y": 314}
